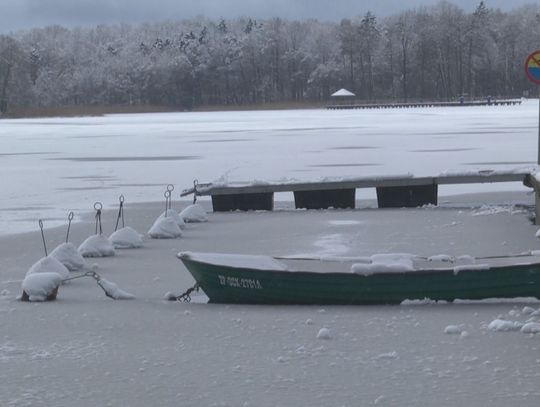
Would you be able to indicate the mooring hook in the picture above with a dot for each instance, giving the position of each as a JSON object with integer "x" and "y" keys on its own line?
{"x": 40, "y": 222}
{"x": 195, "y": 183}
{"x": 120, "y": 213}
{"x": 170, "y": 187}
{"x": 70, "y": 218}
{"x": 98, "y": 206}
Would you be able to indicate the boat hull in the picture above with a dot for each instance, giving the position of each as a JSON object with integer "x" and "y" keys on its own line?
{"x": 226, "y": 284}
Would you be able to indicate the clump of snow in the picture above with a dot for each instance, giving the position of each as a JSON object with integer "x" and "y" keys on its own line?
{"x": 169, "y": 296}
{"x": 165, "y": 228}
{"x": 4, "y": 293}
{"x": 385, "y": 263}
{"x": 193, "y": 214}
{"x": 112, "y": 290}
{"x": 457, "y": 269}
{"x": 504, "y": 325}
{"x": 324, "y": 333}
{"x": 67, "y": 254}
{"x": 452, "y": 330}
{"x": 39, "y": 286}
{"x": 389, "y": 355}
{"x": 531, "y": 328}
{"x": 49, "y": 265}
{"x": 126, "y": 238}
{"x": 97, "y": 246}
{"x": 527, "y": 310}
{"x": 174, "y": 215}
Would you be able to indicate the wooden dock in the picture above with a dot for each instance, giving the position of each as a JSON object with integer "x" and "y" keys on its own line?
{"x": 505, "y": 102}
{"x": 392, "y": 191}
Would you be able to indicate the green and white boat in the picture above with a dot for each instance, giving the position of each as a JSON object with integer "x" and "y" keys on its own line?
{"x": 248, "y": 279}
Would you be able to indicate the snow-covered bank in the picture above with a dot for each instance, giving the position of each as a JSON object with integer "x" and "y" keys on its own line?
{"x": 150, "y": 350}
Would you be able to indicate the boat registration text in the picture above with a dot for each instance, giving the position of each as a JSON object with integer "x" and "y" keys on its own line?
{"x": 240, "y": 282}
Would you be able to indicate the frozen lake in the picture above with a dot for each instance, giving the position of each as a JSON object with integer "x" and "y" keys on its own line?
{"x": 52, "y": 166}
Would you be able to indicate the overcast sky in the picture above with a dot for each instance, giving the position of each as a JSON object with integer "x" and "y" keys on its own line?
{"x": 19, "y": 14}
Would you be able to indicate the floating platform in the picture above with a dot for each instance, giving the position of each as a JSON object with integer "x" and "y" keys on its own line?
{"x": 392, "y": 191}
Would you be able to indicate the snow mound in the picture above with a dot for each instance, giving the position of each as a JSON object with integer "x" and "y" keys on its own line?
{"x": 531, "y": 328}
{"x": 48, "y": 265}
{"x": 41, "y": 286}
{"x": 324, "y": 333}
{"x": 504, "y": 325}
{"x": 165, "y": 228}
{"x": 193, "y": 214}
{"x": 126, "y": 238}
{"x": 177, "y": 218}
{"x": 385, "y": 263}
{"x": 96, "y": 246}
{"x": 112, "y": 290}
{"x": 67, "y": 254}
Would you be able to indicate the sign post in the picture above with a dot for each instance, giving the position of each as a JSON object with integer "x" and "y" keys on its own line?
{"x": 532, "y": 70}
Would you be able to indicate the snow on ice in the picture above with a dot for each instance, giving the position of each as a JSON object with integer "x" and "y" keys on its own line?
{"x": 112, "y": 290}
{"x": 69, "y": 256}
{"x": 504, "y": 325}
{"x": 97, "y": 246}
{"x": 165, "y": 228}
{"x": 171, "y": 213}
{"x": 126, "y": 238}
{"x": 49, "y": 265}
{"x": 40, "y": 286}
{"x": 194, "y": 213}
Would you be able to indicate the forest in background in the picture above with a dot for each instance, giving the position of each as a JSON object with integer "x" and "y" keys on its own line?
{"x": 432, "y": 53}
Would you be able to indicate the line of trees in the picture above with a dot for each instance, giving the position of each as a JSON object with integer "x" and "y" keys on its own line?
{"x": 435, "y": 53}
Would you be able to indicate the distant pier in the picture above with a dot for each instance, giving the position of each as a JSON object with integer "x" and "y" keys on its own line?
{"x": 502, "y": 102}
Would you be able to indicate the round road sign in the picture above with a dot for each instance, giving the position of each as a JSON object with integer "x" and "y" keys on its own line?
{"x": 532, "y": 67}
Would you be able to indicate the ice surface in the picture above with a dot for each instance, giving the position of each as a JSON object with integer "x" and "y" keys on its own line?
{"x": 126, "y": 238}
{"x": 406, "y": 141}
{"x": 136, "y": 352}
{"x": 40, "y": 285}
{"x": 165, "y": 228}
{"x": 194, "y": 213}
{"x": 69, "y": 256}
{"x": 96, "y": 246}
{"x": 49, "y": 265}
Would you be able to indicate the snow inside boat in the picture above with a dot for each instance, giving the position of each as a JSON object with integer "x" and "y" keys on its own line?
{"x": 378, "y": 279}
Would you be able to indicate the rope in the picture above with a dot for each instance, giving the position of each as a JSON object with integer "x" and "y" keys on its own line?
{"x": 98, "y": 206}
{"x": 40, "y": 222}
{"x": 120, "y": 213}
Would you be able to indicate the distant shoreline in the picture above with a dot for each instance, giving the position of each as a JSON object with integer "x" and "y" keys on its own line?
{"x": 93, "y": 111}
